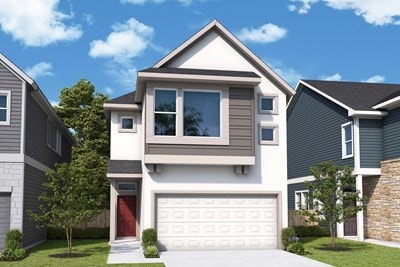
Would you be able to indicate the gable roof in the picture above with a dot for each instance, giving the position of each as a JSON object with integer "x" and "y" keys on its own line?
{"x": 43, "y": 101}
{"x": 358, "y": 98}
{"x": 234, "y": 41}
{"x": 128, "y": 98}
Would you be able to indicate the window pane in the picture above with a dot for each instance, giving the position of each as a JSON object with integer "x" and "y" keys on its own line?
{"x": 165, "y": 100}
{"x": 164, "y": 124}
{"x": 201, "y": 113}
{"x": 349, "y": 148}
{"x": 3, "y": 115}
{"x": 127, "y": 123}
{"x": 347, "y": 133}
{"x": 267, "y": 134}
{"x": 53, "y": 143}
{"x": 127, "y": 186}
{"x": 267, "y": 103}
{"x": 3, "y": 101}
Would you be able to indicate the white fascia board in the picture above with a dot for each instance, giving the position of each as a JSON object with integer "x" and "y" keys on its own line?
{"x": 123, "y": 175}
{"x": 389, "y": 104}
{"x": 114, "y": 106}
{"x": 198, "y": 160}
{"x": 300, "y": 180}
{"x": 239, "y": 45}
{"x": 366, "y": 114}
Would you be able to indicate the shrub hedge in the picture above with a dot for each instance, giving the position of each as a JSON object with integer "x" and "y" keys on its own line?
{"x": 311, "y": 231}
{"x": 88, "y": 233}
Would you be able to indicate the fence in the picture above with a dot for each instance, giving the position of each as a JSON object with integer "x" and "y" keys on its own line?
{"x": 101, "y": 221}
{"x": 295, "y": 219}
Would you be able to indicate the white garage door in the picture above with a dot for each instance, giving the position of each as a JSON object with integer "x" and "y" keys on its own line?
{"x": 217, "y": 221}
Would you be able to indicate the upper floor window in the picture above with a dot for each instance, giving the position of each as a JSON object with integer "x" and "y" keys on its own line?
{"x": 188, "y": 116}
{"x": 302, "y": 202}
{"x": 5, "y": 99}
{"x": 53, "y": 137}
{"x": 267, "y": 104}
{"x": 127, "y": 123}
{"x": 347, "y": 140}
{"x": 268, "y": 134}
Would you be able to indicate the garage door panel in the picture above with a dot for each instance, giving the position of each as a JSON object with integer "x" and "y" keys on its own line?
{"x": 217, "y": 221}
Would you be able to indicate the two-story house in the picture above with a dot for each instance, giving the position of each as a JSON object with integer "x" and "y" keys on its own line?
{"x": 355, "y": 124}
{"x": 32, "y": 140}
{"x": 198, "y": 151}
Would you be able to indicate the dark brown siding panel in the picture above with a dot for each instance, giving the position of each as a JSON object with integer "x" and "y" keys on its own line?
{"x": 10, "y": 135}
{"x": 33, "y": 181}
{"x": 36, "y": 134}
{"x": 241, "y": 131}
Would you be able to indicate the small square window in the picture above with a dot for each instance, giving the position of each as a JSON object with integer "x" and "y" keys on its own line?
{"x": 267, "y": 104}
{"x": 268, "y": 134}
{"x": 127, "y": 123}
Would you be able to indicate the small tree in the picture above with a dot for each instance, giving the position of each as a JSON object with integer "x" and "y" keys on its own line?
{"x": 73, "y": 194}
{"x": 334, "y": 195}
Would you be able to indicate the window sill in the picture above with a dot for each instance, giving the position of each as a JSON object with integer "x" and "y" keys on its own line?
{"x": 188, "y": 140}
{"x": 199, "y": 160}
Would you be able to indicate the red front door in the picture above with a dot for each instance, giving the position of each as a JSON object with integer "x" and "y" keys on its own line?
{"x": 126, "y": 216}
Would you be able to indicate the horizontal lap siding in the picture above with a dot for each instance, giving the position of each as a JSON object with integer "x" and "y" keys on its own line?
{"x": 240, "y": 131}
{"x": 36, "y": 134}
{"x": 371, "y": 146}
{"x": 391, "y": 135}
{"x": 10, "y": 135}
{"x": 33, "y": 181}
{"x": 314, "y": 133}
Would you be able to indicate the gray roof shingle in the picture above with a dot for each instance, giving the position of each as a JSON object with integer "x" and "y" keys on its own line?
{"x": 128, "y": 98}
{"x": 357, "y": 95}
{"x": 244, "y": 74}
{"x": 124, "y": 166}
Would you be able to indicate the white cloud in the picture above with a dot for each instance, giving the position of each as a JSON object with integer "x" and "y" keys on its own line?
{"x": 109, "y": 90}
{"x": 126, "y": 41}
{"x": 334, "y": 77}
{"x": 123, "y": 74}
{"x": 382, "y": 12}
{"x": 305, "y": 6}
{"x": 267, "y": 33}
{"x": 39, "y": 70}
{"x": 54, "y": 103}
{"x": 36, "y": 22}
{"x": 375, "y": 79}
{"x": 88, "y": 18}
{"x": 290, "y": 75}
{"x": 142, "y": 2}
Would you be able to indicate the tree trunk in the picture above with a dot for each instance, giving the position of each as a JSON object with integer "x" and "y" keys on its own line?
{"x": 68, "y": 231}
{"x": 332, "y": 235}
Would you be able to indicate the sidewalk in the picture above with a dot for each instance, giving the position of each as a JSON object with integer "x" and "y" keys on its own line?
{"x": 383, "y": 243}
{"x": 128, "y": 251}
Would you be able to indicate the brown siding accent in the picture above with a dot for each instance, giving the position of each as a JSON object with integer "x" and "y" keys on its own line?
{"x": 10, "y": 135}
{"x": 241, "y": 131}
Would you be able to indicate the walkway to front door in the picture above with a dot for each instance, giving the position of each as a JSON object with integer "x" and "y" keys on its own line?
{"x": 126, "y": 216}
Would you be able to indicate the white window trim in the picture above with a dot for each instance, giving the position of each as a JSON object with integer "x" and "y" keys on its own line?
{"x": 179, "y": 138}
{"x": 8, "y": 107}
{"x": 303, "y": 204}
{"x": 127, "y": 116}
{"x": 274, "y": 98}
{"x": 343, "y": 126}
{"x": 275, "y": 127}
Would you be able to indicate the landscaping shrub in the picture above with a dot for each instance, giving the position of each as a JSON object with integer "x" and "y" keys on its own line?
{"x": 151, "y": 252}
{"x": 88, "y": 233}
{"x": 13, "y": 250}
{"x": 288, "y": 236}
{"x": 149, "y": 237}
{"x": 311, "y": 231}
{"x": 297, "y": 248}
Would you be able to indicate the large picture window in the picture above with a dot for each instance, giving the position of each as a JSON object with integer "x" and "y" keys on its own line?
{"x": 5, "y": 107}
{"x": 188, "y": 116}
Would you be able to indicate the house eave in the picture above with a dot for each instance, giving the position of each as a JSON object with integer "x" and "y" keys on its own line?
{"x": 390, "y": 104}
{"x": 366, "y": 114}
{"x": 144, "y": 77}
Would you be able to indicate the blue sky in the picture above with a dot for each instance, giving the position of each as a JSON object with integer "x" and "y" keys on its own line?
{"x": 107, "y": 41}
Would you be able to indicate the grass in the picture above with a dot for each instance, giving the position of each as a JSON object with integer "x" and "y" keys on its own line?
{"x": 97, "y": 250}
{"x": 350, "y": 253}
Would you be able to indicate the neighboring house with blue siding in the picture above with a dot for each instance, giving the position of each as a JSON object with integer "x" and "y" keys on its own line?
{"x": 32, "y": 140}
{"x": 354, "y": 124}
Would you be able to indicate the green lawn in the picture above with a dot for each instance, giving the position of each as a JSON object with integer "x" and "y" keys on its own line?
{"x": 97, "y": 250}
{"x": 351, "y": 253}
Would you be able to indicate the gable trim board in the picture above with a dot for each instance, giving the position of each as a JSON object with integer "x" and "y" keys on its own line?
{"x": 389, "y": 104}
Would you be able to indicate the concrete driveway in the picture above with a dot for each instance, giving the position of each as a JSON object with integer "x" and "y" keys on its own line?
{"x": 236, "y": 258}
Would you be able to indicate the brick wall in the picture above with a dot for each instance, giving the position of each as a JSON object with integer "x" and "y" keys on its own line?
{"x": 382, "y": 215}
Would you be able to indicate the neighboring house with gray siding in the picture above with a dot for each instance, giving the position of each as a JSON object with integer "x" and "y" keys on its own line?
{"x": 198, "y": 151}
{"x": 32, "y": 140}
{"x": 354, "y": 124}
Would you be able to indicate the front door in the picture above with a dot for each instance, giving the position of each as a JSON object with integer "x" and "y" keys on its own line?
{"x": 350, "y": 226}
{"x": 126, "y": 216}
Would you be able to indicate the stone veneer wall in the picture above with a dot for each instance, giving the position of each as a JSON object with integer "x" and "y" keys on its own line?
{"x": 12, "y": 180}
{"x": 382, "y": 215}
